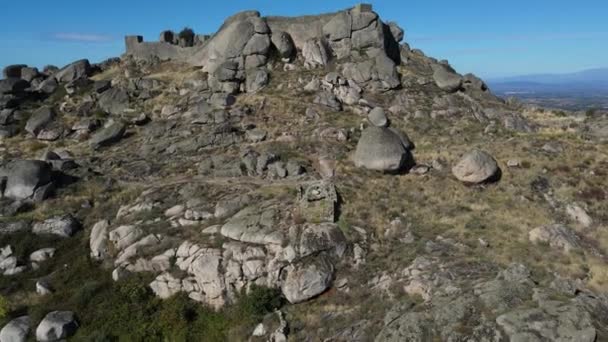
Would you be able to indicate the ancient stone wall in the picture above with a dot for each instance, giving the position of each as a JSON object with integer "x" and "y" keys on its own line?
{"x": 231, "y": 35}
{"x": 136, "y": 47}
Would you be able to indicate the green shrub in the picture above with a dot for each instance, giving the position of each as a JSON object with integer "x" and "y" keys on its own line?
{"x": 187, "y": 35}
{"x": 4, "y": 307}
{"x": 260, "y": 301}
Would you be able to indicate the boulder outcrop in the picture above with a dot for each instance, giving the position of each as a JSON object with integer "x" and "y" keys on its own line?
{"x": 381, "y": 149}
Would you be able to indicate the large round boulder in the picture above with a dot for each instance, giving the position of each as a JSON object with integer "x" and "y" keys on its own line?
{"x": 446, "y": 78}
{"x": 62, "y": 226}
{"x": 23, "y": 178}
{"x": 13, "y": 70}
{"x": 476, "y": 167}
{"x": 74, "y": 71}
{"x": 304, "y": 281}
{"x": 13, "y": 85}
{"x": 381, "y": 149}
{"x": 39, "y": 119}
{"x": 16, "y": 330}
{"x": 56, "y": 325}
{"x": 377, "y": 117}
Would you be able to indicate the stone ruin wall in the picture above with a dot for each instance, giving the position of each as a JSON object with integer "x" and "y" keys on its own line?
{"x": 169, "y": 46}
{"x": 137, "y": 48}
{"x": 300, "y": 29}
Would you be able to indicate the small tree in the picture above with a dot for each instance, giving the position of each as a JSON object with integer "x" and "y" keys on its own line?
{"x": 186, "y": 36}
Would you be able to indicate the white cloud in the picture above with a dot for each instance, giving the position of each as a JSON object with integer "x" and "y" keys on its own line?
{"x": 82, "y": 37}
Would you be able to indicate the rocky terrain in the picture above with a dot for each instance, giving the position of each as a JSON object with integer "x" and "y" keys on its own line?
{"x": 295, "y": 179}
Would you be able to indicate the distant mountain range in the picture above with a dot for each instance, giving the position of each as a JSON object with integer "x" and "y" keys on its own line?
{"x": 586, "y": 83}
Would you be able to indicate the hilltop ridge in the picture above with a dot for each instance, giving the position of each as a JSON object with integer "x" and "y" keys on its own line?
{"x": 294, "y": 178}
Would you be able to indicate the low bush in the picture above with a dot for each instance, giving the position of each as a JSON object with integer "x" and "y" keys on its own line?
{"x": 4, "y": 307}
{"x": 187, "y": 35}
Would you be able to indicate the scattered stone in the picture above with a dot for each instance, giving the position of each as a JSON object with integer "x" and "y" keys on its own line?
{"x": 114, "y": 101}
{"x": 39, "y": 120}
{"x": 166, "y": 286}
{"x": 446, "y": 78}
{"x": 98, "y": 241}
{"x": 43, "y": 288}
{"x": 27, "y": 179}
{"x": 175, "y": 211}
{"x": 557, "y": 236}
{"x": 329, "y": 100}
{"x": 475, "y": 167}
{"x": 75, "y": 71}
{"x": 377, "y": 117}
{"x": 63, "y": 226}
{"x": 324, "y": 237}
{"x": 253, "y": 225}
{"x": 256, "y": 80}
{"x": 420, "y": 169}
{"x": 108, "y": 136}
{"x": 284, "y": 44}
{"x": 48, "y": 86}
{"x": 40, "y": 256}
{"x": 13, "y": 71}
{"x": 124, "y": 236}
{"x": 259, "y": 331}
{"x": 101, "y": 86}
{"x": 256, "y": 135}
{"x": 16, "y": 330}
{"x": 513, "y": 163}
{"x": 304, "y": 281}
{"x": 553, "y": 321}
{"x": 222, "y": 99}
{"x": 13, "y": 227}
{"x": 579, "y": 215}
{"x": 315, "y": 53}
{"x": 553, "y": 147}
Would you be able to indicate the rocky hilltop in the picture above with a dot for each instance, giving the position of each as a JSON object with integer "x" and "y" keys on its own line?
{"x": 304, "y": 179}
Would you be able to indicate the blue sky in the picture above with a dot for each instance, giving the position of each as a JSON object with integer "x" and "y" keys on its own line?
{"x": 489, "y": 38}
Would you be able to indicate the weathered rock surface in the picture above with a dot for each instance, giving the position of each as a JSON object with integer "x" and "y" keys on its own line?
{"x": 108, "y": 136}
{"x": 284, "y": 44}
{"x": 316, "y": 53}
{"x": 62, "y": 226}
{"x": 39, "y": 119}
{"x": 227, "y": 174}
{"x": 124, "y": 236}
{"x": 253, "y": 225}
{"x": 74, "y": 71}
{"x": 554, "y": 321}
{"x": 114, "y": 101}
